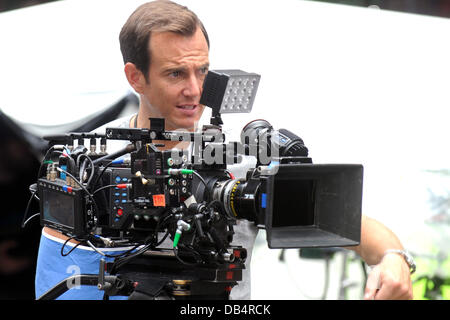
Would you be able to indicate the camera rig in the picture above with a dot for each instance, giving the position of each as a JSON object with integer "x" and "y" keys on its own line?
{"x": 145, "y": 197}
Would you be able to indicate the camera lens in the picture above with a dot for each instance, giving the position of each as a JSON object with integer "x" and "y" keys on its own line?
{"x": 239, "y": 198}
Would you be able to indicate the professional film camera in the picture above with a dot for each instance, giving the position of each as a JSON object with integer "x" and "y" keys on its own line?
{"x": 175, "y": 210}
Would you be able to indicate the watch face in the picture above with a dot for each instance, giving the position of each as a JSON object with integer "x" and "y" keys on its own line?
{"x": 409, "y": 260}
{"x": 412, "y": 264}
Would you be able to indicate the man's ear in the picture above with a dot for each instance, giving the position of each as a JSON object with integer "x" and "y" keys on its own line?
{"x": 135, "y": 77}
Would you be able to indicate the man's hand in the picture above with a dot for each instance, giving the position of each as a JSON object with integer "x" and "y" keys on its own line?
{"x": 390, "y": 279}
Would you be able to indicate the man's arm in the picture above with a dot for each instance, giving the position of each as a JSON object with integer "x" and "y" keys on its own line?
{"x": 390, "y": 277}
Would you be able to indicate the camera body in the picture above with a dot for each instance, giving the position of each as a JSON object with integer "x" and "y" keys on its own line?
{"x": 300, "y": 204}
{"x": 151, "y": 197}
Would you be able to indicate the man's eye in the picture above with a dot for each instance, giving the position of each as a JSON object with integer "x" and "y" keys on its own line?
{"x": 204, "y": 70}
{"x": 174, "y": 74}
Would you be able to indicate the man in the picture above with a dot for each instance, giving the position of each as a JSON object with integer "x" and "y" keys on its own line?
{"x": 166, "y": 54}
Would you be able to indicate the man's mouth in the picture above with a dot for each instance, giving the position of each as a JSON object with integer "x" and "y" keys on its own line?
{"x": 187, "y": 107}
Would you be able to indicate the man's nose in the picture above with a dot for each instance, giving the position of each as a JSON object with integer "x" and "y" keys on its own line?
{"x": 193, "y": 87}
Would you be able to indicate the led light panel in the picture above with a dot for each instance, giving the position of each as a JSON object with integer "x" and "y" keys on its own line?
{"x": 230, "y": 91}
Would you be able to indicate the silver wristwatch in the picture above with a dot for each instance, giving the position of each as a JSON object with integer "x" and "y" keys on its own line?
{"x": 407, "y": 256}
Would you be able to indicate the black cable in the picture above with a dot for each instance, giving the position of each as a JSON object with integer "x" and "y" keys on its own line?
{"x": 25, "y": 215}
{"x": 104, "y": 254}
{"x": 101, "y": 173}
{"x": 122, "y": 260}
{"x": 201, "y": 178}
{"x": 196, "y": 254}
{"x": 203, "y": 181}
{"x": 70, "y": 251}
{"x": 34, "y": 215}
{"x": 93, "y": 247}
{"x": 162, "y": 239}
{"x": 175, "y": 251}
{"x": 114, "y": 255}
{"x": 104, "y": 187}
{"x": 125, "y": 258}
{"x": 123, "y": 253}
{"x": 76, "y": 180}
{"x": 83, "y": 168}
{"x": 160, "y": 225}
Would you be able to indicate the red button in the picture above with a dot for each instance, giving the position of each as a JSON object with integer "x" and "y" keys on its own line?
{"x": 119, "y": 212}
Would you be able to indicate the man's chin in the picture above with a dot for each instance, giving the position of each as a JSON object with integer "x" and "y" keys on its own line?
{"x": 183, "y": 126}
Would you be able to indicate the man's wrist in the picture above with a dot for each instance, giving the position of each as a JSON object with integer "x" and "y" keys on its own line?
{"x": 406, "y": 256}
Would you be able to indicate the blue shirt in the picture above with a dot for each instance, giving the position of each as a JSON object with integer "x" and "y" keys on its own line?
{"x": 82, "y": 260}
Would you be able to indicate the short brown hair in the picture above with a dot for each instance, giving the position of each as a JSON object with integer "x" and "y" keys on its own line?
{"x": 160, "y": 16}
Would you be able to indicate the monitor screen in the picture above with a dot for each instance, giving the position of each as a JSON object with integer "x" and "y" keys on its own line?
{"x": 58, "y": 208}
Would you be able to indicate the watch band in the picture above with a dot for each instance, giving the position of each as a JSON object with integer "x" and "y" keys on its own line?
{"x": 408, "y": 258}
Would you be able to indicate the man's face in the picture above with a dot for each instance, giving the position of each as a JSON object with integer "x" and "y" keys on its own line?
{"x": 178, "y": 68}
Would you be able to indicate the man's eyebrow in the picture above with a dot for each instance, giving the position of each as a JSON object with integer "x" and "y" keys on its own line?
{"x": 182, "y": 68}
{"x": 173, "y": 69}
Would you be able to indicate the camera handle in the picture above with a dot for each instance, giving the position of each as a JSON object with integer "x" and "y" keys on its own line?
{"x": 112, "y": 285}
